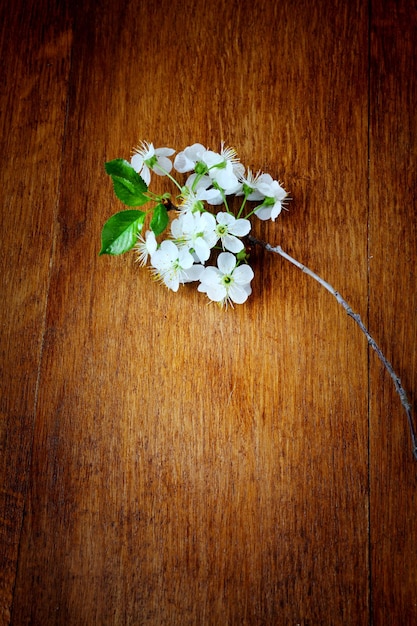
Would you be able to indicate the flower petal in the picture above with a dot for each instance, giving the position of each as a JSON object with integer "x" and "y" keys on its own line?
{"x": 202, "y": 249}
{"x": 276, "y": 210}
{"x": 217, "y": 293}
{"x": 264, "y": 178}
{"x": 226, "y": 262}
{"x": 177, "y": 228}
{"x": 232, "y": 243}
{"x": 243, "y": 274}
{"x": 185, "y": 259}
{"x": 225, "y": 218}
{"x": 211, "y": 158}
{"x": 145, "y": 174}
{"x": 238, "y": 294}
{"x": 210, "y": 275}
{"x": 164, "y": 152}
{"x": 240, "y": 227}
{"x": 225, "y": 178}
{"x": 265, "y": 189}
{"x": 172, "y": 280}
{"x": 166, "y": 165}
{"x": 193, "y": 273}
{"x": 136, "y": 162}
{"x": 195, "y": 151}
{"x": 263, "y": 213}
{"x": 169, "y": 248}
{"x": 213, "y": 197}
{"x": 182, "y": 164}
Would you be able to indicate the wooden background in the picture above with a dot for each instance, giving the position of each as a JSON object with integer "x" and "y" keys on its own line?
{"x": 162, "y": 461}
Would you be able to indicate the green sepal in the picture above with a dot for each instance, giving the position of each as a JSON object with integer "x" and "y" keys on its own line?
{"x": 129, "y": 187}
{"x": 159, "y": 219}
{"x": 243, "y": 256}
{"x": 201, "y": 168}
{"x": 121, "y": 231}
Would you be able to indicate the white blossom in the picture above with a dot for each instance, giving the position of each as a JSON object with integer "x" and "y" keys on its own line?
{"x": 228, "y": 282}
{"x": 228, "y": 230}
{"x": 185, "y": 161}
{"x": 192, "y": 200}
{"x": 146, "y": 158}
{"x": 230, "y": 155}
{"x": 173, "y": 265}
{"x": 249, "y": 185}
{"x": 202, "y": 185}
{"x": 221, "y": 171}
{"x": 196, "y": 231}
{"x": 146, "y": 247}
{"x": 274, "y": 196}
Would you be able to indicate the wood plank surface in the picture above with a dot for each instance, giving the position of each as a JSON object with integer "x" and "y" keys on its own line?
{"x": 393, "y": 308}
{"x": 33, "y": 91}
{"x": 166, "y": 462}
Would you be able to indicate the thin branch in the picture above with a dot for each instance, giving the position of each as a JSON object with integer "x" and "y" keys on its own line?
{"x": 397, "y": 382}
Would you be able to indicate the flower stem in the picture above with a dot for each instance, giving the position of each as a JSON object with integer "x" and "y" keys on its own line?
{"x": 152, "y": 196}
{"x": 242, "y": 206}
{"x": 195, "y": 182}
{"x": 223, "y": 195}
{"x": 397, "y": 382}
{"x": 225, "y": 201}
{"x": 166, "y": 173}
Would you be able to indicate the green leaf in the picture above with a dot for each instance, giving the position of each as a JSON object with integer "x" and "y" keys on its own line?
{"x": 129, "y": 187}
{"x": 127, "y": 194}
{"x": 159, "y": 219}
{"x": 123, "y": 169}
{"x": 120, "y": 232}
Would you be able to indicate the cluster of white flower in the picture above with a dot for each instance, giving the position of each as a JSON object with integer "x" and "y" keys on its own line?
{"x": 196, "y": 231}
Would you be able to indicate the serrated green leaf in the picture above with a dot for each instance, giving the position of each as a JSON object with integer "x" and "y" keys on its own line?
{"x": 126, "y": 192}
{"x": 120, "y": 232}
{"x": 123, "y": 169}
{"x": 159, "y": 219}
{"x": 129, "y": 187}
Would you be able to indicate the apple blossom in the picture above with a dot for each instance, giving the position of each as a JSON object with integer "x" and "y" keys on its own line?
{"x": 180, "y": 250}
{"x": 146, "y": 247}
{"x": 228, "y": 282}
{"x": 274, "y": 196}
{"x": 228, "y": 230}
{"x": 197, "y": 231}
{"x": 146, "y": 158}
{"x": 173, "y": 265}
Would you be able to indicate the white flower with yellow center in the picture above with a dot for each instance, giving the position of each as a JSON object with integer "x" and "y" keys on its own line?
{"x": 228, "y": 283}
{"x": 186, "y": 159}
{"x": 146, "y": 247}
{"x": 249, "y": 186}
{"x": 193, "y": 200}
{"x": 146, "y": 158}
{"x": 196, "y": 231}
{"x": 274, "y": 196}
{"x": 228, "y": 230}
{"x": 221, "y": 171}
{"x": 173, "y": 265}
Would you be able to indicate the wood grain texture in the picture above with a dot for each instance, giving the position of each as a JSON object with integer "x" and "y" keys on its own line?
{"x": 188, "y": 465}
{"x": 393, "y": 307}
{"x": 34, "y": 73}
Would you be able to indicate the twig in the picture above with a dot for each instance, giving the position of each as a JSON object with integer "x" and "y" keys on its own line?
{"x": 397, "y": 382}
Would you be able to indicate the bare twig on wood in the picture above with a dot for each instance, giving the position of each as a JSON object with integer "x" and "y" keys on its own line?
{"x": 397, "y": 382}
